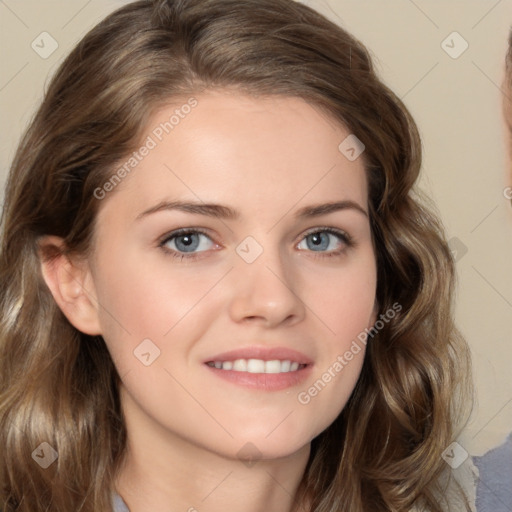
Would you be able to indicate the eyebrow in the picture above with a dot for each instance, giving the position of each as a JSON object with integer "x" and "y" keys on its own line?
{"x": 225, "y": 212}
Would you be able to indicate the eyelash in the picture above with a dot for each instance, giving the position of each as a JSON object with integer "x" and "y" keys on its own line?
{"x": 342, "y": 235}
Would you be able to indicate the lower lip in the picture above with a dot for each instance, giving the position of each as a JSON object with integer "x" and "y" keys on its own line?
{"x": 264, "y": 381}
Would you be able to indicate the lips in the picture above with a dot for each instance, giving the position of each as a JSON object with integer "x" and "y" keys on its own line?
{"x": 269, "y": 369}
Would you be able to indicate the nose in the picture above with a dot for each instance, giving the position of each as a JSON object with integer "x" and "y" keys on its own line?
{"x": 266, "y": 291}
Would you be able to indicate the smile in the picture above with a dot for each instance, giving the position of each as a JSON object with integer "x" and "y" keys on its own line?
{"x": 261, "y": 368}
{"x": 257, "y": 365}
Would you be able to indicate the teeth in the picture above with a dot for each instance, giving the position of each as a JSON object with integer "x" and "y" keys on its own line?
{"x": 255, "y": 366}
{"x": 272, "y": 367}
{"x": 240, "y": 365}
{"x": 285, "y": 366}
{"x": 258, "y": 365}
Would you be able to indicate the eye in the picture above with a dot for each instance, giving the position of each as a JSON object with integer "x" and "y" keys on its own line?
{"x": 186, "y": 243}
{"x": 329, "y": 240}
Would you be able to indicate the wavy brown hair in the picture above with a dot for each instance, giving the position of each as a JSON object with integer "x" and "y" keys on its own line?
{"x": 60, "y": 386}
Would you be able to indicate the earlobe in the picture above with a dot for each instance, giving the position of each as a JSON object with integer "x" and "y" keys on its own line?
{"x": 70, "y": 282}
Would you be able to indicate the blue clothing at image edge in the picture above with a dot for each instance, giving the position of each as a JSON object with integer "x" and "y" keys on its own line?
{"x": 118, "y": 504}
{"x": 494, "y": 493}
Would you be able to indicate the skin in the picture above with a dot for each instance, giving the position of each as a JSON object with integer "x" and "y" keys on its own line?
{"x": 266, "y": 158}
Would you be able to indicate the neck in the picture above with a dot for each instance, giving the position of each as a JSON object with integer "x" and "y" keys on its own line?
{"x": 162, "y": 472}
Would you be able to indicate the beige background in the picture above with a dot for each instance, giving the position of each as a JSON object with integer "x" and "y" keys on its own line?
{"x": 455, "y": 101}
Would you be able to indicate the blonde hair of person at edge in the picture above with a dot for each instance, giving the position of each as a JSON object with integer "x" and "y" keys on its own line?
{"x": 220, "y": 286}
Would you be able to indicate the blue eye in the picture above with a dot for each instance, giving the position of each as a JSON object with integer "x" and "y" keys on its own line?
{"x": 186, "y": 243}
{"x": 189, "y": 243}
{"x": 326, "y": 240}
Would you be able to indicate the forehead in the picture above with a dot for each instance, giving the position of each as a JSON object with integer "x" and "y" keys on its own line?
{"x": 241, "y": 150}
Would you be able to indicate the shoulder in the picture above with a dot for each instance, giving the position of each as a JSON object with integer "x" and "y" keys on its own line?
{"x": 495, "y": 468}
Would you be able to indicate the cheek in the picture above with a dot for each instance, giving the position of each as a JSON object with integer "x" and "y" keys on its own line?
{"x": 145, "y": 296}
{"x": 141, "y": 299}
{"x": 343, "y": 299}
{"x": 345, "y": 304}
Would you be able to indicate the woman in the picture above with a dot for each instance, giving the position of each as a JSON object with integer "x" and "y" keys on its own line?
{"x": 219, "y": 287}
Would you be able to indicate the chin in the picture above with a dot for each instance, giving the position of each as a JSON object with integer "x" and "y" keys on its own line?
{"x": 269, "y": 447}
{"x": 252, "y": 452}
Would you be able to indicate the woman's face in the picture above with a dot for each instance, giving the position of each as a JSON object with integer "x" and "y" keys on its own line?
{"x": 238, "y": 334}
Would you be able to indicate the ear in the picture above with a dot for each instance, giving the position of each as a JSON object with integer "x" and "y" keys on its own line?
{"x": 70, "y": 282}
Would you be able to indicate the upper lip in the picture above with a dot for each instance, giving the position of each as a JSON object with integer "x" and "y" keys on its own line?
{"x": 264, "y": 353}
